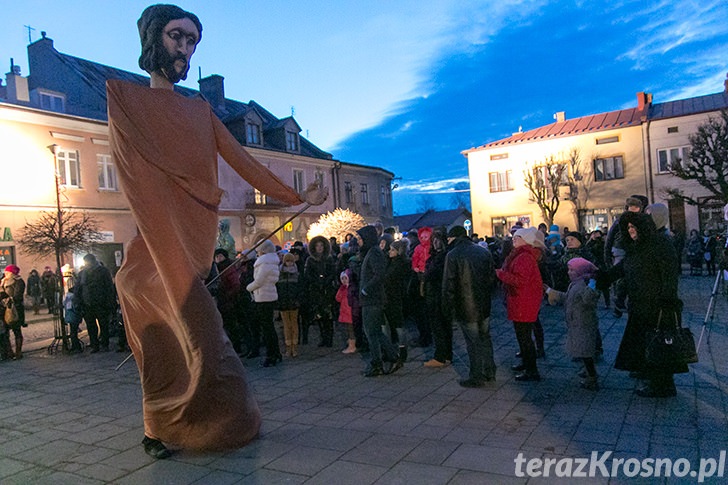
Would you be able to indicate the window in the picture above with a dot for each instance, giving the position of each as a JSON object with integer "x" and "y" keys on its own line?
{"x": 672, "y": 129}
{"x": 553, "y": 169}
{"x": 107, "y": 173}
{"x": 364, "y": 194}
{"x": 52, "y": 102}
{"x": 382, "y": 196}
{"x": 348, "y": 192}
{"x": 499, "y": 156}
{"x": 291, "y": 141}
{"x": 609, "y": 139}
{"x": 260, "y": 197}
{"x": 501, "y": 181}
{"x": 671, "y": 157}
{"x": 69, "y": 169}
{"x": 298, "y": 181}
{"x": 252, "y": 134}
{"x": 608, "y": 168}
{"x": 319, "y": 177}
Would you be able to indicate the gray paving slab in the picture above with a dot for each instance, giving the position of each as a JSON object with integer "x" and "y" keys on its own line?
{"x": 73, "y": 419}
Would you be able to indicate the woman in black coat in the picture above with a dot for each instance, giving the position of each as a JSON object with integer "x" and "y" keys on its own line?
{"x": 650, "y": 271}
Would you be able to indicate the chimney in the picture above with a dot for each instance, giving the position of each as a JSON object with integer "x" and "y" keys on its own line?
{"x": 213, "y": 89}
{"x": 644, "y": 100}
{"x": 725, "y": 83}
{"x": 17, "y": 85}
{"x": 560, "y": 116}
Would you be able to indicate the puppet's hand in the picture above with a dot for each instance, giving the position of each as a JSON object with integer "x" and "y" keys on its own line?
{"x": 315, "y": 194}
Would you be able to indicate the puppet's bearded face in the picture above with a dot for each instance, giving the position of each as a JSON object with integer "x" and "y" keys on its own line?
{"x": 179, "y": 39}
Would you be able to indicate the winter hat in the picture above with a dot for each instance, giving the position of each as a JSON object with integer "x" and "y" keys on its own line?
{"x": 222, "y": 251}
{"x": 11, "y": 268}
{"x": 582, "y": 268}
{"x": 530, "y": 236}
{"x": 576, "y": 235}
{"x": 457, "y": 231}
{"x": 659, "y": 213}
{"x": 267, "y": 247}
{"x": 518, "y": 225}
{"x": 554, "y": 233}
{"x": 637, "y": 200}
{"x": 289, "y": 257}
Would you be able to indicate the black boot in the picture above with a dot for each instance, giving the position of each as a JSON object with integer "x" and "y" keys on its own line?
{"x": 155, "y": 448}
{"x": 403, "y": 353}
{"x": 375, "y": 369}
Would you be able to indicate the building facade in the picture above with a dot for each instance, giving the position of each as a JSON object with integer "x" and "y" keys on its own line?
{"x": 54, "y": 123}
{"x": 619, "y": 153}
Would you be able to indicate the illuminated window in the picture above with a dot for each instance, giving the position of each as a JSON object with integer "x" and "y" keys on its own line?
{"x": 501, "y": 181}
{"x": 671, "y": 157}
{"x": 69, "y": 168}
{"x": 608, "y": 168}
{"x": 106, "y": 172}
{"x": 260, "y": 197}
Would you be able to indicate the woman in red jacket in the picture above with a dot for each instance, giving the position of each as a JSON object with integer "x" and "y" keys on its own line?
{"x": 524, "y": 292}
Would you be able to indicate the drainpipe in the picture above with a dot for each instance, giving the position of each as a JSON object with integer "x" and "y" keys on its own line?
{"x": 647, "y": 155}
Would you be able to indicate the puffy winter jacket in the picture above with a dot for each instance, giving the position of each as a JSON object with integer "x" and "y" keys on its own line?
{"x": 265, "y": 277}
{"x": 523, "y": 284}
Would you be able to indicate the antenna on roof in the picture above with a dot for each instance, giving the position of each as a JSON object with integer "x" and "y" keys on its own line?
{"x": 29, "y": 29}
{"x": 199, "y": 73}
{"x": 293, "y": 110}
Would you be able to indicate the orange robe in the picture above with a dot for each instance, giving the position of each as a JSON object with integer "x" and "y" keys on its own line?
{"x": 165, "y": 146}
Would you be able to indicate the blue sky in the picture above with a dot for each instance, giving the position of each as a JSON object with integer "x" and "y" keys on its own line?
{"x": 408, "y": 85}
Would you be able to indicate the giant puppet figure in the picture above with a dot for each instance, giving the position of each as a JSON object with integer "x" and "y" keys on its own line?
{"x": 166, "y": 147}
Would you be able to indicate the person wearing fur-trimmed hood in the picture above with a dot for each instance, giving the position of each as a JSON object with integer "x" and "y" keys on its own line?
{"x": 321, "y": 283}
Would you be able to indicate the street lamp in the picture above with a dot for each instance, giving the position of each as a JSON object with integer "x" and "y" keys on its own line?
{"x": 59, "y": 324}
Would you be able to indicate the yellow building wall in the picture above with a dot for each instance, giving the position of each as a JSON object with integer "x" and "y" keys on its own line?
{"x": 603, "y": 194}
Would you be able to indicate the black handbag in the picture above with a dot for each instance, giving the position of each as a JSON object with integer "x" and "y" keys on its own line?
{"x": 669, "y": 345}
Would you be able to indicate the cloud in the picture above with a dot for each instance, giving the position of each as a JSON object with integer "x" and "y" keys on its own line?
{"x": 668, "y": 26}
{"x": 434, "y": 186}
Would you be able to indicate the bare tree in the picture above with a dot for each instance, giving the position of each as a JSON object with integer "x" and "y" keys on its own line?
{"x": 55, "y": 234}
{"x": 580, "y": 183}
{"x": 708, "y": 161}
{"x": 461, "y": 197}
{"x": 543, "y": 181}
{"x": 426, "y": 203}
{"x": 58, "y": 233}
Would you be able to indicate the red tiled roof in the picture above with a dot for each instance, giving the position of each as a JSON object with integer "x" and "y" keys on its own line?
{"x": 577, "y": 126}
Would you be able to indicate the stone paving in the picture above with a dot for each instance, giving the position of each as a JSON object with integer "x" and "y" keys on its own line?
{"x": 73, "y": 419}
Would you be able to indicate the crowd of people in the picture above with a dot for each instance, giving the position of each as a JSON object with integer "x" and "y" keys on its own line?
{"x": 88, "y": 296}
{"x": 371, "y": 288}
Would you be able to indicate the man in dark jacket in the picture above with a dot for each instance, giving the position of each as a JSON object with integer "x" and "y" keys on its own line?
{"x": 466, "y": 292}
{"x": 371, "y": 298}
{"x": 95, "y": 292}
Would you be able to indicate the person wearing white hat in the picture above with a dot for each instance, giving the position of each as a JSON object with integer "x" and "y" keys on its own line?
{"x": 524, "y": 292}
